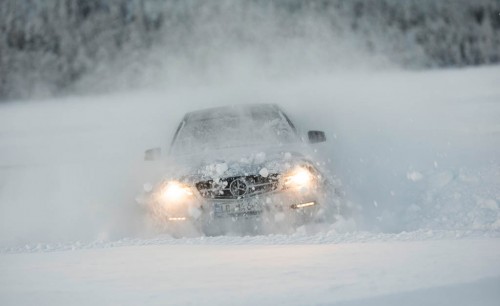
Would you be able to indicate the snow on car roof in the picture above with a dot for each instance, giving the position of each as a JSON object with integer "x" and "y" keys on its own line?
{"x": 247, "y": 110}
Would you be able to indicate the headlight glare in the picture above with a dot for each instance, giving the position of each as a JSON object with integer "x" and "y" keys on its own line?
{"x": 175, "y": 192}
{"x": 299, "y": 177}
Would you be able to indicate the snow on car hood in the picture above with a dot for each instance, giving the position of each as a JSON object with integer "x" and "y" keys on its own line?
{"x": 237, "y": 161}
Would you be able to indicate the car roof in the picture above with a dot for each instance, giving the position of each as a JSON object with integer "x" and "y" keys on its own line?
{"x": 231, "y": 111}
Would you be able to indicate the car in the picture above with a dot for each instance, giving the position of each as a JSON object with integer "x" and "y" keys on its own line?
{"x": 244, "y": 169}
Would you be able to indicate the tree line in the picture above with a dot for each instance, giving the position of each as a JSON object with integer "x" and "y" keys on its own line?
{"x": 47, "y": 46}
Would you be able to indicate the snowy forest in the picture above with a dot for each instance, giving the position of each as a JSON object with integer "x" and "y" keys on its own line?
{"x": 54, "y": 47}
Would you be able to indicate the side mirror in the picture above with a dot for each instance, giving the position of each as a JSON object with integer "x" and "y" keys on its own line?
{"x": 152, "y": 154}
{"x": 316, "y": 136}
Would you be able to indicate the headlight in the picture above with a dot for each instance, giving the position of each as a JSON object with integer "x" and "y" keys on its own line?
{"x": 175, "y": 192}
{"x": 299, "y": 178}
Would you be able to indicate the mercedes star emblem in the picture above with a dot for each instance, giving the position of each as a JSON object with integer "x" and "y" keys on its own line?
{"x": 238, "y": 188}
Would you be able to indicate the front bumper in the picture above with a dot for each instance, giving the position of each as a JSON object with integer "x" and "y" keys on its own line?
{"x": 290, "y": 206}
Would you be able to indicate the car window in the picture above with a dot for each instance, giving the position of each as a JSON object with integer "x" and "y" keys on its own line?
{"x": 233, "y": 128}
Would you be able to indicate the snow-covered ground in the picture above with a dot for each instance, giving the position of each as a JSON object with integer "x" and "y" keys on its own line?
{"x": 418, "y": 152}
{"x": 435, "y": 272}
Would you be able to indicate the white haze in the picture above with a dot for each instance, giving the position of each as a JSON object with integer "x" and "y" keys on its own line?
{"x": 233, "y": 42}
{"x": 70, "y": 168}
{"x": 414, "y": 149}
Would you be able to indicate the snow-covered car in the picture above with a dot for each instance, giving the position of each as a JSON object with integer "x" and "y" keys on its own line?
{"x": 242, "y": 168}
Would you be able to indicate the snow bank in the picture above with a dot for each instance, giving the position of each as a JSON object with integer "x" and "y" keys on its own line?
{"x": 304, "y": 236}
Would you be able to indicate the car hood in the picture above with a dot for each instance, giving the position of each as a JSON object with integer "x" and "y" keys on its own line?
{"x": 232, "y": 162}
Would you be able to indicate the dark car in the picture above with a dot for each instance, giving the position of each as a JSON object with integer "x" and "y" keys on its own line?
{"x": 240, "y": 168}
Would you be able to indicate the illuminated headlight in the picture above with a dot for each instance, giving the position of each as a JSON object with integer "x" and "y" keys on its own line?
{"x": 174, "y": 192}
{"x": 301, "y": 177}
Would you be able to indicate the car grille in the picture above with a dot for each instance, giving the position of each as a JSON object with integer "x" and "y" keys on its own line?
{"x": 250, "y": 185}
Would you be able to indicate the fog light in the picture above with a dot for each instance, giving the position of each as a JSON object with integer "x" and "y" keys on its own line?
{"x": 302, "y": 205}
{"x": 177, "y": 219}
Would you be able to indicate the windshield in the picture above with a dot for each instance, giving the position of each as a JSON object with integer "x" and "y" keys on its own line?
{"x": 233, "y": 127}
